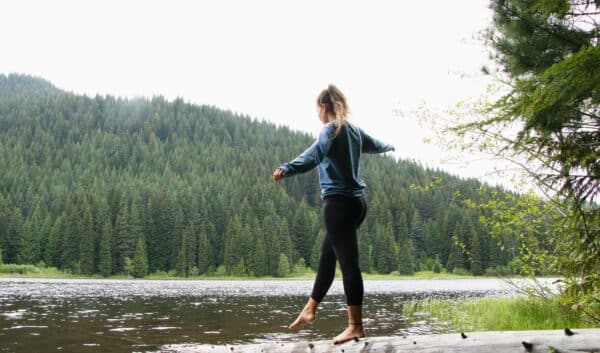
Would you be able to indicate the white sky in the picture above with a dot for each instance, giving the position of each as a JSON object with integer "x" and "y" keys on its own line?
{"x": 267, "y": 59}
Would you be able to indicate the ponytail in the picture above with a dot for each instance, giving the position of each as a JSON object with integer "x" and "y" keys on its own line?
{"x": 335, "y": 103}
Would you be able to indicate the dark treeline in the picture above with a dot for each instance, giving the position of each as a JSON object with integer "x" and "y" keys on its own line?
{"x": 110, "y": 185}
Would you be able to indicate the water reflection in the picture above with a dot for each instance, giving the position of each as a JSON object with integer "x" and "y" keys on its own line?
{"x": 52, "y": 315}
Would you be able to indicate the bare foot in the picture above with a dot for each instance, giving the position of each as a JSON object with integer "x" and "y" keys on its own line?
{"x": 349, "y": 333}
{"x": 305, "y": 317}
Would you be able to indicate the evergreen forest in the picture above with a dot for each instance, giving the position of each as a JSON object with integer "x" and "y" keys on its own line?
{"x": 107, "y": 185}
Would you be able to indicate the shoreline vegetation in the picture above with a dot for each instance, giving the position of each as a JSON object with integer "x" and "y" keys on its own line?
{"x": 33, "y": 271}
{"x": 497, "y": 313}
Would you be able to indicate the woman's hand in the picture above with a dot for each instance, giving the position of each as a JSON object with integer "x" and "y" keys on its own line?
{"x": 278, "y": 174}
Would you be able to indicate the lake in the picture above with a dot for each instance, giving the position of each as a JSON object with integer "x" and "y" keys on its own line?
{"x": 95, "y": 315}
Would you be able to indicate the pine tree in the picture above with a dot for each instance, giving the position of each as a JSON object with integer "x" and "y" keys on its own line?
{"x": 364, "y": 250}
{"x": 176, "y": 233}
{"x": 283, "y": 269}
{"x": 476, "y": 261}
{"x": 386, "y": 261}
{"x": 13, "y": 237}
{"x": 52, "y": 255}
{"x": 43, "y": 239}
{"x": 233, "y": 252}
{"x": 401, "y": 232}
{"x": 3, "y": 223}
{"x": 105, "y": 260}
{"x": 300, "y": 231}
{"x": 203, "y": 253}
{"x": 140, "y": 259}
{"x": 416, "y": 235}
{"x": 135, "y": 227}
{"x": 272, "y": 237}
{"x": 456, "y": 259}
{"x": 122, "y": 235}
{"x": 186, "y": 252}
{"x": 87, "y": 244}
{"x": 406, "y": 257}
{"x": 261, "y": 267}
{"x": 316, "y": 250}
{"x": 285, "y": 241}
{"x": 29, "y": 250}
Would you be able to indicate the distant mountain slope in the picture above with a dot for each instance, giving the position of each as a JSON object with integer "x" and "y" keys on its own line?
{"x": 87, "y": 181}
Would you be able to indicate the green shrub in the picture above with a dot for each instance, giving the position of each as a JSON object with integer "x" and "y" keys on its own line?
{"x": 498, "y": 271}
{"x": 437, "y": 266}
{"x": 461, "y": 271}
{"x": 220, "y": 271}
{"x": 18, "y": 269}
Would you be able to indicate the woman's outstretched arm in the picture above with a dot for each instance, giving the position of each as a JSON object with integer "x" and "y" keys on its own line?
{"x": 310, "y": 158}
{"x": 372, "y": 145}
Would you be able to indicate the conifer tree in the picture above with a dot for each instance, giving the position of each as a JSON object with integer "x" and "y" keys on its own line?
{"x": 122, "y": 235}
{"x": 140, "y": 259}
{"x": 186, "y": 252}
{"x": 52, "y": 254}
{"x": 13, "y": 237}
{"x": 28, "y": 250}
{"x": 203, "y": 253}
{"x": 105, "y": 260}
{"x": 456, "y": 259}
{"x": 87, "y": 243}
{"x": 283, "y": 268}
{"x": 386, "y": 258}
{"x": 406, "y": 256}
{"x": 416, "y": 234}
{"x": 261, "y": 267}
{"x": 364, "y": 251}
{"x": 476, "y": 261}
{"x": 233, "y": 251}
{"x": 285, "y": 241}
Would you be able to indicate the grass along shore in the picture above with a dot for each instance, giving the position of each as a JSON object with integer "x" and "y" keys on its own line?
{"x": 496, "y": 314}
{"x": 32, "y": 271}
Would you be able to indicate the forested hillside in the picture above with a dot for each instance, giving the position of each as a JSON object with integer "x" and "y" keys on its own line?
{"x": 88, "y": 184}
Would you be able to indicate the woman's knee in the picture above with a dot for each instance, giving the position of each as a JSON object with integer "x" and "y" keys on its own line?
{"x": 350, "y": 267}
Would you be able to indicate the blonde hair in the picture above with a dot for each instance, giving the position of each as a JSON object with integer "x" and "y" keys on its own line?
{"x": 335, "y": 103}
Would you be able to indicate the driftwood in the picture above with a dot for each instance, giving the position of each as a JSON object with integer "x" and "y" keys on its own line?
{"x": 547, "y": 341}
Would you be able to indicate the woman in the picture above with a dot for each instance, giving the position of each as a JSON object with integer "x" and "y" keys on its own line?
{"x": 337, "y": 152}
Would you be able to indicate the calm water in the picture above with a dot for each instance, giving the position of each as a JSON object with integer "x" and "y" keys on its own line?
{"x": 68, "y": 315}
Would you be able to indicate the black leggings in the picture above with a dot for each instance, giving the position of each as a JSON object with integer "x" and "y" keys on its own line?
{"x": 343, "y": 216}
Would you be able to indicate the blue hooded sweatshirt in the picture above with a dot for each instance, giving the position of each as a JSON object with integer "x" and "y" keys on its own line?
{"x": 337, "y": 158}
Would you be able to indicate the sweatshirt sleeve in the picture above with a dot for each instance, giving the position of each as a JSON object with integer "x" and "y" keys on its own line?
{"x": 372, "y": 145}
{"x": 312, "y": 156}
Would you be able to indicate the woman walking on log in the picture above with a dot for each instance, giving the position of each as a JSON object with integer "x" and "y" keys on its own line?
{"x": 336, "y": 153}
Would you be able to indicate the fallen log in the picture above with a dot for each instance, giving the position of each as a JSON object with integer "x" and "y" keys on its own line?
{"x": 546, "y": 341}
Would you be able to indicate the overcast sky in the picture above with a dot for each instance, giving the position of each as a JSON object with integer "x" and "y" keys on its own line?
{"x": 267, "y": 59}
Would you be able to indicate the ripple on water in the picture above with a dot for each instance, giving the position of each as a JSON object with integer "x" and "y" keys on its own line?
{"x": 13, "y": 315}
{"x": 123, "y": 329}
{"x": 18, "y": 327}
